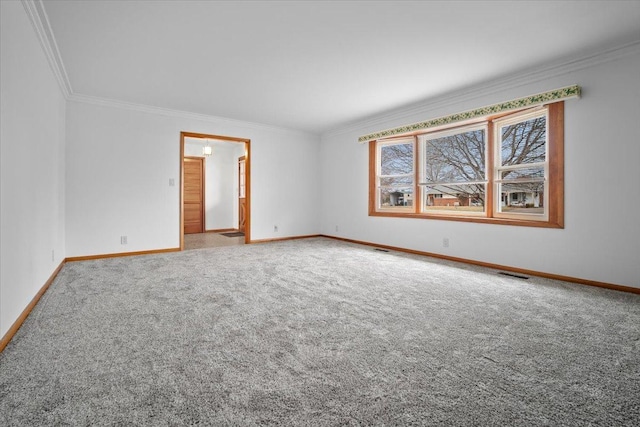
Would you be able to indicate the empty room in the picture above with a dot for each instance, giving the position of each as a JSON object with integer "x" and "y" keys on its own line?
{"x": 320, "y": 213}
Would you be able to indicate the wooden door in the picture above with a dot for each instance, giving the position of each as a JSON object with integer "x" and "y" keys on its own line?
{"x": 193, "y": 195}
{"x": 242, "y": 194}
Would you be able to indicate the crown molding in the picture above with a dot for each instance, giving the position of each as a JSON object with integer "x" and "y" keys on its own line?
{"x": 40, "y": 22}
{"x": 426, "y": 107}
{"x": 105, "y": 102}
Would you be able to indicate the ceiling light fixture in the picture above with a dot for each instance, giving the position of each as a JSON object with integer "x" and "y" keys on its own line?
{"x": 207, "y": 150}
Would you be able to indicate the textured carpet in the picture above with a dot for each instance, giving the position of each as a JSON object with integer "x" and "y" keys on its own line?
{"x": 319, "y": 332}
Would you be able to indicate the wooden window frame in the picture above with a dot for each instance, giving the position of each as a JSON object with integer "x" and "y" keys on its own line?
{"x": 555, "y": 156}
{"x": 378, "y": 174}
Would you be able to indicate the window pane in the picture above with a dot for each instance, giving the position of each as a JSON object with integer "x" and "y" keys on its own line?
{"x": 522, "y": 197}
{"x": 396, "y": 197}
{"x": 531, "y": 173}
{"x": 524, "y": 142}
{"x": 460, "y": 198}
{"x": 396, "y": 159}
{"x": 455, "y": 158}
{"x": 397, "y": 181}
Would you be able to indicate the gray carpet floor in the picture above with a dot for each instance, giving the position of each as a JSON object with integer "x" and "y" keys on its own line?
{"x": 319, "y": 332}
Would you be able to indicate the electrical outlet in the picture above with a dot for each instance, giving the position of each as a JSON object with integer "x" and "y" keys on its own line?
{"x": 275, "y": 228}
{"x": 123, "y": 240}
{"x": 172, "y": 182}
{"x": 336, "y": 228}
{"x": 445, "y": 242}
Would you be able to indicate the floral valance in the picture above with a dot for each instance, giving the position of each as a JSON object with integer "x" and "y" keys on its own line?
{"x": 529, "y": 101}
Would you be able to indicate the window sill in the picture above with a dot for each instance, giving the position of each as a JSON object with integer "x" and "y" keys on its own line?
{"x": 476, "y": 219}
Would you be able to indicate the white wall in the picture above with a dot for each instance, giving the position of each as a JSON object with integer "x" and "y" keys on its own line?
{"x": 601, "y": 238}
{"x": 120, "y": 161}
{"x": 221, "y": 197}
{"x": 32, "y": 116}
{"x": 220, "y": 186}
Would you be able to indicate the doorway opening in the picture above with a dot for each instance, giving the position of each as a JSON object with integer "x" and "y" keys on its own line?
{"x": 196, "y": 200}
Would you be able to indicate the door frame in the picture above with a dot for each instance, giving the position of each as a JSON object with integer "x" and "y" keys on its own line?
{"x": 247, "y": 153}
{"x": 244, "y": 160}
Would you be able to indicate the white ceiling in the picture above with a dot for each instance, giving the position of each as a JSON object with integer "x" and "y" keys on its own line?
{"x": 317, "y": 65}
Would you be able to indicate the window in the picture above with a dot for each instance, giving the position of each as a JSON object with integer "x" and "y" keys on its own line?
{"x": 453, "y": 168}
{"x": 521, "y": 172}
{"x": 505, "y": 169}
{"x": 395, "y": 175}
